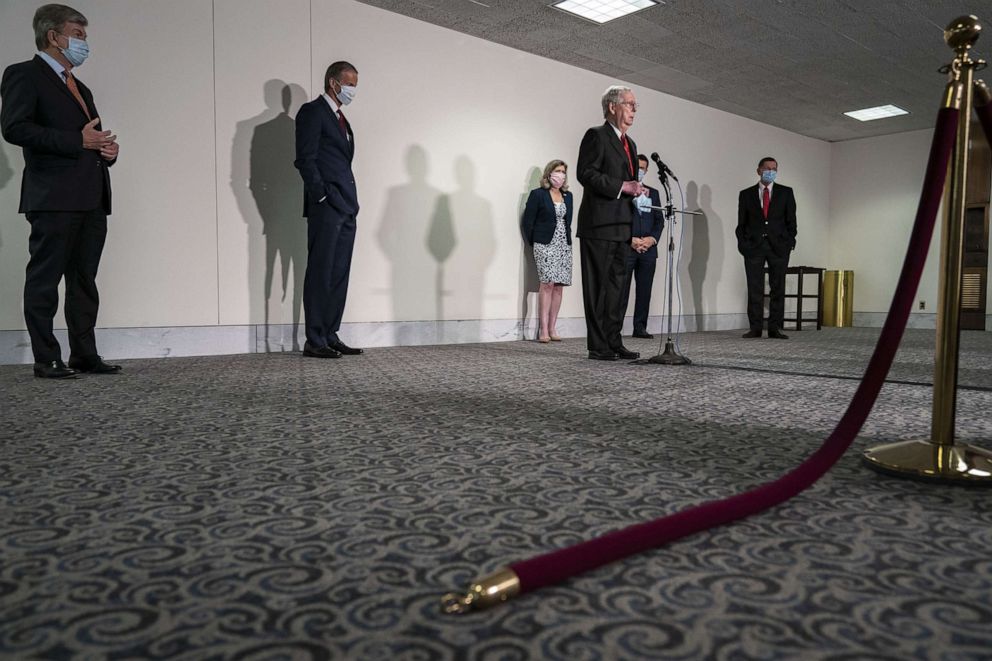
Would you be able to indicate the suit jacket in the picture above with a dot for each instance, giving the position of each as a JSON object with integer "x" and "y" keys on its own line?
{"x": 539, "y": 219}
{"x": 780, "y": 227}
{"x": 602, "y": 167}
{"x": 323, "y": 157}
{"x": 41, "y": 116}
{"x": 650, "y": 223}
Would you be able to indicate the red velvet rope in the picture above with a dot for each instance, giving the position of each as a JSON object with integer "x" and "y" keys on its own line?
{"x": 559, "y": 565}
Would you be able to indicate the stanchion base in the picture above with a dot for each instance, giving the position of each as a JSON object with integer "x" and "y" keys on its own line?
{"x": 923, "y": 460}
{"x": 669, "y": 357}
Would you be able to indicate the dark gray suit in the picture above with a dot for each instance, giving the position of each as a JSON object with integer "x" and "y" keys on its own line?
{"x": 766, "y": 240}
{"x": 65, "y": 195}
{"x": 604, "y": 225}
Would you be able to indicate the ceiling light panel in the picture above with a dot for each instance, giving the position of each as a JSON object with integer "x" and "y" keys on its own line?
{"x": 603, "y": 11}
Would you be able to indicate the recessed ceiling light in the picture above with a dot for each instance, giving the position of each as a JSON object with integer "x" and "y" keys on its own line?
{"x": 878, "y": 112}
{"x": 603, "y": 11}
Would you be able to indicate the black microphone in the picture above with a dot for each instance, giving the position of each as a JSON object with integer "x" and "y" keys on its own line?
{"x": 661, "y": 166}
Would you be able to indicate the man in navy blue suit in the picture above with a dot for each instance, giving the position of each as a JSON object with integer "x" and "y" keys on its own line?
{"x": 325, "y": 148}
{"x": 643, "y": 259}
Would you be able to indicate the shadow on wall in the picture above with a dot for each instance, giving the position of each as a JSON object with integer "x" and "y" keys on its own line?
{"x": 6, "y": 175}
{"x": 269, "y": 192}
{"x": 462, "y": 295}
{"x": 417, "y": 236}
{"x": 706, "y": 248}
{"x": 529, "y": 282}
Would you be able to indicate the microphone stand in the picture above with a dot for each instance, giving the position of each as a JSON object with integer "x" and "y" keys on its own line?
{"x": 670, "y": 356}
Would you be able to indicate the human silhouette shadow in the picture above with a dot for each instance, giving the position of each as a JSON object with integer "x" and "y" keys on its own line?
{"x": 530, "y": 285}
{"x": 270, "y": 198}
{"x": 705, "y": 248}
{"x": 416, "y": 236}
{"x": 6, "y": 175}
{"x": 471, "y": 220}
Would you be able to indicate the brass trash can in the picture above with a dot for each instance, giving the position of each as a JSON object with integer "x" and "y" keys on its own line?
{"x": 838, "y": 298}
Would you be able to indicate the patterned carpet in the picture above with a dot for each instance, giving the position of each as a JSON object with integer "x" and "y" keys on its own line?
{"x": 275, "y": 507}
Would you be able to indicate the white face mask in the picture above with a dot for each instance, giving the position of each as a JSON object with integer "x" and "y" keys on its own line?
{"x": 346, "y": 93}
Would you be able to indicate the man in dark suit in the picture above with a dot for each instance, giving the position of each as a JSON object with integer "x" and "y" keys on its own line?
{"x": 643, "y": 259}
{"x": 65, "y": 190}
{"x": 325, "y": 147}
{"x": 766, "y": 234}
{"x": 608, "y": 173}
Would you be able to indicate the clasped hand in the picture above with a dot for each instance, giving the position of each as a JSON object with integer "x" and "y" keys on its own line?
{"x": 104, "y": 142}
{"x": 633, "y": 188}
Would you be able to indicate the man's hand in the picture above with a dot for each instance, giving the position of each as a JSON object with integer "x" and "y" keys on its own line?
{"x": 632, "y": 188}
{"x": 96, "y": 140}
{"x": 109, "y": 152}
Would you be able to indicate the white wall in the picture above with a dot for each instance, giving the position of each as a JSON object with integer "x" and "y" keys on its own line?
{"x": 450, "y": 133}
{"x": 876, "y": 190}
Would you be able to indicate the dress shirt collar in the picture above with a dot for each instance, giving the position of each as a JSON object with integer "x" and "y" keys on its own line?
{"x": 335, "y": 108}
{"x": 53, "y": 63}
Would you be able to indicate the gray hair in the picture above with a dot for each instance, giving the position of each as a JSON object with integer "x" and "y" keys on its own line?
{"x": 53, "y": 17}
{"x": 612, "y": 95}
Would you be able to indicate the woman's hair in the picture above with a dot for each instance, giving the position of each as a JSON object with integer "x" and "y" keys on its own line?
{"x": 548, "y": 169}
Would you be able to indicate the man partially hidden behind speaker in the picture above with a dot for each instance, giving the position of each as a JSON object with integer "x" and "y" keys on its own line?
{"x": 766, "y": 234}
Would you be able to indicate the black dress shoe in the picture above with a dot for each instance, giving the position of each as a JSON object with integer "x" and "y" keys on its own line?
{"x": 54, "y": 369}
{"x": 644, "y": 335}
{"x": 319, "y": 352}
{"x": 601, "y": 355}
{"x": 623, "y": 353}
{"x": 93, "y": 365}
{"x": 752, "y": 333}
{"x": 777, "y": 335}
{"x": 344, "y": 349}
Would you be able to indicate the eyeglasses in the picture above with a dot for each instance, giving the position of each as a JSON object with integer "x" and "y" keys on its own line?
{"x": 633, "y": 105}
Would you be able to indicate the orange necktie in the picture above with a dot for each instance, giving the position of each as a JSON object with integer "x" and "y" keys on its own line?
{"x": 70, "y": 82}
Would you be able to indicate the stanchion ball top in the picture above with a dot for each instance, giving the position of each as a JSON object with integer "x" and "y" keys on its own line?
{"x": 962, "y": 32}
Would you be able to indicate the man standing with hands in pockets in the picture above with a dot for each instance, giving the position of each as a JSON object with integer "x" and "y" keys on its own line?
{"x": 65, "y": 191}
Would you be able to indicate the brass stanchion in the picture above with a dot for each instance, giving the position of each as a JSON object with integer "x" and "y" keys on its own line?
{"x": 940, "y": 458}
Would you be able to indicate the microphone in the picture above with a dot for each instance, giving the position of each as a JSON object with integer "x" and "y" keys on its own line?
{"x": 661, "y": 166}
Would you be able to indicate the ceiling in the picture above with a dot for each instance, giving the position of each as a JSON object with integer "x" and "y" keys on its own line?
{"x": 795, "y": 64}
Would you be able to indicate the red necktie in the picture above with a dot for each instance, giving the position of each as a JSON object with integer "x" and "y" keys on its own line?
{"x": 70, "y": 82}
{"x": 343, "y": 122}
{"x": 765, "y": 198}
{"x": 626, "y": 148}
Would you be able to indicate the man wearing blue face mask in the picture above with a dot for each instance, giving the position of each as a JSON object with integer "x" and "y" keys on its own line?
{"x": 325, "y": 148}
{"x": 65, "y": 191}
{"x": 766, "y": 234}
{"x": 645, "y": 233}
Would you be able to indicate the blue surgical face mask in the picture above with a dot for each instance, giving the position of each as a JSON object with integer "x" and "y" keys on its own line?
{"x": 768, "y": 176}
{"x": 346, "y": 93}
{"x": 77, "y": 51}
{"x": 640, "y": 175}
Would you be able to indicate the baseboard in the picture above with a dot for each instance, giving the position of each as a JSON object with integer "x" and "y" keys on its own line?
{"x": 877, "y": 319}
{"x": 122, "y": 343}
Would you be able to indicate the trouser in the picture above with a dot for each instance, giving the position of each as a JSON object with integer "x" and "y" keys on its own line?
{"x": 63, "y": 244}
{"x": 640, "y": 267}
{"x": 330, "y": 244}
{"x": 754, "y": 269}
{"x": 604, "y": 270}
